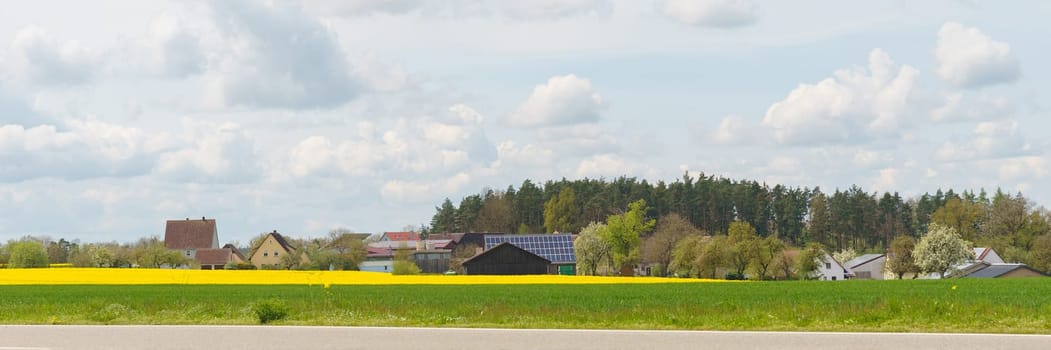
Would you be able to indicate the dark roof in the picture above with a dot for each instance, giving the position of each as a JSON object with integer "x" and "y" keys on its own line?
{"x": 190, "y": 234}
{"x": 504, "y": 245}
{"x": 219, "y": 256}
{"x": 997, "y": 270}
{"x": 281, "y": 240}
{"x": 557, "y": 248}
{"x": 235, "y": 251}
{"x": 455, "y": 237}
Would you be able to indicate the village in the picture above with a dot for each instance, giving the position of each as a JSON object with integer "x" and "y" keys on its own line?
{"x": 197, "y": 240}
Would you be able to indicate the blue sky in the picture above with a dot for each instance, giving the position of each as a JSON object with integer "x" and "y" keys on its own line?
{"x": 365, "y": 114}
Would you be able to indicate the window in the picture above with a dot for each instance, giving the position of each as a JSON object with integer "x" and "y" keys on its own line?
{"x": 187, "y": 253}
{"x": 828, "y": 265}
{"x": 275, "y": 253}
{"x": 833, "y": 278}
{"x": 265, "y": 253}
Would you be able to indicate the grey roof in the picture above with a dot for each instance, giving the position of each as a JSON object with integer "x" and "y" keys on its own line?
{"x": 863, "y": 259}
{"x": 997, "y": 270}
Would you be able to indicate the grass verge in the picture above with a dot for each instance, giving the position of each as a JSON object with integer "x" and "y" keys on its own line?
{"x": 998, "y": 306}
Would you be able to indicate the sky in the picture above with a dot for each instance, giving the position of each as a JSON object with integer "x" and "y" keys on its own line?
{"x": 116, "y": 115}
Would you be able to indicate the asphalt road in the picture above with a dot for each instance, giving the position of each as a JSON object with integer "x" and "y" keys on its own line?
{"x": 271, "y": 337}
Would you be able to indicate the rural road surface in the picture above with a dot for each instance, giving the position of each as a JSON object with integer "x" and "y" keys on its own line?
{"x": 277, "y": 337}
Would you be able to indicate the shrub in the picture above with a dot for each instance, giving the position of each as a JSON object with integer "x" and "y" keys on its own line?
{"x": 269, "y": 310}
{"x": 27, "y": 254}
{"x": 402, "y": 267}
{"x": 109, "y": 313}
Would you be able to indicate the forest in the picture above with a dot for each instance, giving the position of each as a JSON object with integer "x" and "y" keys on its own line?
{"x": 850, "y": 219}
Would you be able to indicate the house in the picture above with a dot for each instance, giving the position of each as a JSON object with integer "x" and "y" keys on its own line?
{"x": 189, "y": 236}
{"x": 507, "y": 259}
{"x": 270, "y": 251}
{"x": 1003, "y": 270}
{"x": 983, "y": 256}
{"x": 828, "y": 269}
{"x": 217, "y": 259}
{"x": 867, "y": 266}
{"x": 377, "y": 259}
{"x": 556, "y": 248}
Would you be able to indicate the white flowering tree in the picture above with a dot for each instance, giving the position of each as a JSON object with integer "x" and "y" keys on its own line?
{"x": 941, "y": 249}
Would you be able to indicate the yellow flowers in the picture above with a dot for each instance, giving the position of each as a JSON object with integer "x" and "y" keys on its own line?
{"x": 954, "y": 287}
{"x": 324, "y": 278}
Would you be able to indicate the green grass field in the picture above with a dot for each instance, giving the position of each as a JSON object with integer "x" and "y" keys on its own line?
{"x": 1000, "y": 306}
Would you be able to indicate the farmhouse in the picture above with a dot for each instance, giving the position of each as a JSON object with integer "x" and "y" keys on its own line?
{"x": 271, "y": 250}
{"x": 507, "y": 259}
{"x": 198, "y": 240}
{"x": 189, "y": 236}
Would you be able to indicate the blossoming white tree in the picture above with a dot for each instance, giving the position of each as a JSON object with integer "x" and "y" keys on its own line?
{"x": 941, "y": 249}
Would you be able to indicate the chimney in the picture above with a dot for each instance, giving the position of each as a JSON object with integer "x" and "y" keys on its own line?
{"x": 187, "y": 219}
{"x": 202, "y": 219}
{"x": 275, "y": 231}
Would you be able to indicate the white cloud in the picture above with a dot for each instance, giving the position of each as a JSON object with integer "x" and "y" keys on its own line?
{"x": 580, "y": 139}
{"x": 519, "y": 10}
{"x": 887, "y": 180}
{"x": 211, "y": 153}
{"x": 1022, "y": 168}
{"x": 553, "y": 9}
{"x": 423, "y": 191}
{"x": 850, "y": 106}
{"x": 85, "y": 150}
{"x": 988, "y": 140}
{"x": 512, "y": 156}
{"x": 172, "y": 50}
{"x": 39, "y": 60}
{"x": 564, "y": 100}
{"x": 736, "y": 130}
{"x": 608, "y": 166}
{"x": 279, "y": 57}
{"x": 712, "y": 13}
{"x": 963, "y": 107}
{"x": 421, "y": 147}
{"x": 869, "y": 159}
{"x": 969, "y": 58}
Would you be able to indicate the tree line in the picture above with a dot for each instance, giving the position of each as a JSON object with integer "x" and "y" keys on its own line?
{"x": 840, "y": 220}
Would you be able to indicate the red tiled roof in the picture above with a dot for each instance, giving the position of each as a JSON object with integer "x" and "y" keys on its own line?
{"x": 378, "y": 252}
{"x": 190, "y": 234}
{"x": 219, "y": 256}
{"x": 401, "y": 236}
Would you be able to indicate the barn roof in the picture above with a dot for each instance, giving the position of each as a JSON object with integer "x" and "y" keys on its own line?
{"x": 556, "y": 248}
{"x": 503, "y": 246}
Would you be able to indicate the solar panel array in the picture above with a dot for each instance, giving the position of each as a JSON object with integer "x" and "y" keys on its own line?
{"x": 557, "y": 248}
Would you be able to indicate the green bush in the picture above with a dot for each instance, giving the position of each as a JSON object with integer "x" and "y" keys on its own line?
{"x": 109, "y": 313}
{"x": 402, "y": 267}
{"x": 270, "y": 310}
{"x": 27, "y": 254}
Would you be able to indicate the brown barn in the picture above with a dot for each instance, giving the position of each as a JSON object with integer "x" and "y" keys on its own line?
{"x": 507, "y": 259}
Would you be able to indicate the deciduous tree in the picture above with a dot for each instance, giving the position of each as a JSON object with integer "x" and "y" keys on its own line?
{"x": 658, "y": 247}
{"x": 622, "y": 234}
{"x": 593, "y": 251}
{"x": 27, "y": 254}
{"x": 899, "y": 257}
{"x": 941, "y": 250}
{"x": 561, "y": 211}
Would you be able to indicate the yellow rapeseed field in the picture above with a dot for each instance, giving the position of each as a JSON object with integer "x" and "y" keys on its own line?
{"x": 323, "y": 278}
